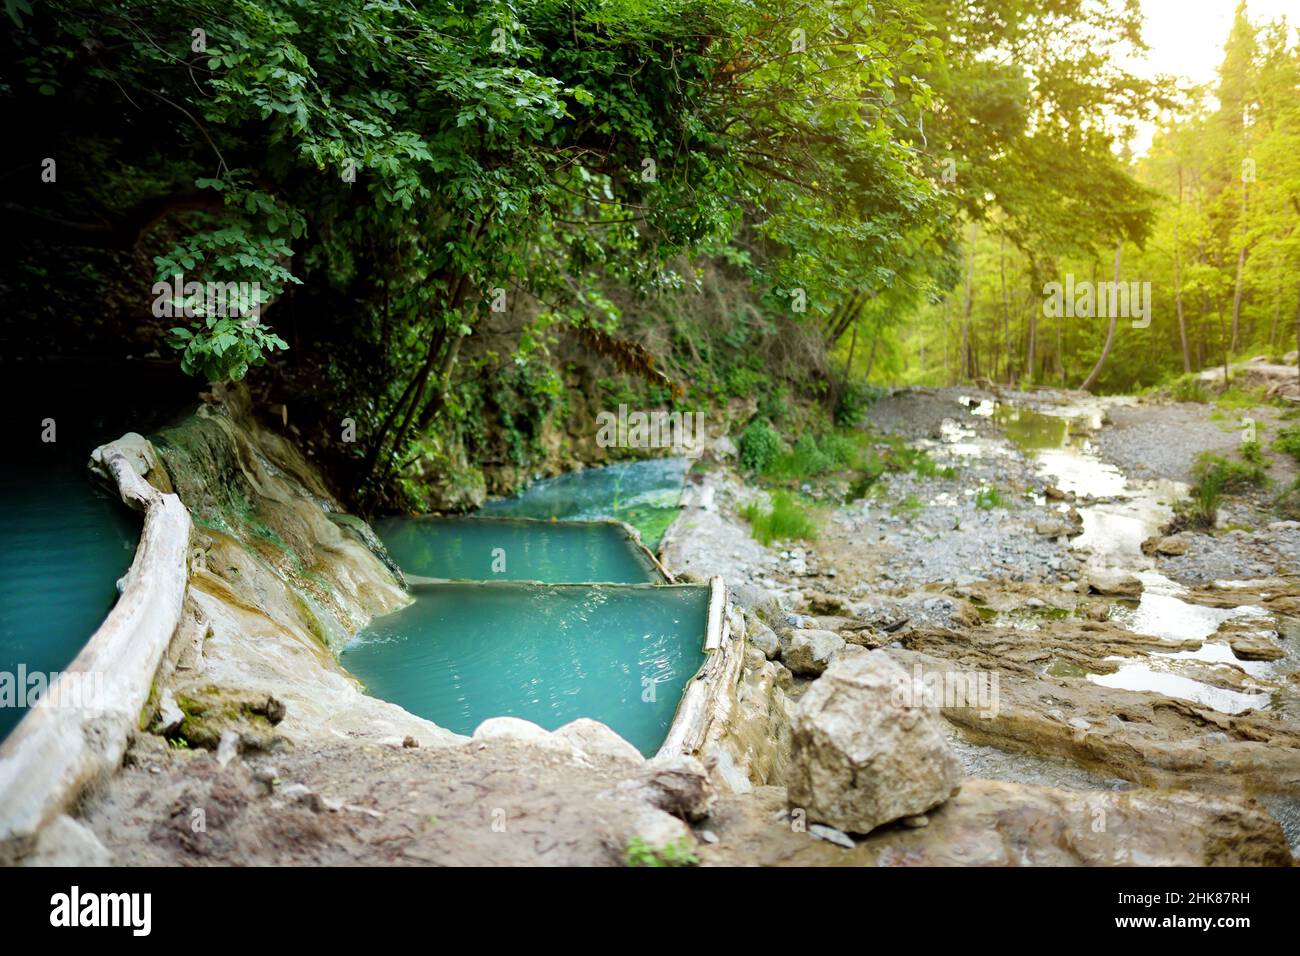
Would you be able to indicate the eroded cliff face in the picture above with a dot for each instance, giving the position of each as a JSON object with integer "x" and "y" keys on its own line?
{"x": 279, "y": 578}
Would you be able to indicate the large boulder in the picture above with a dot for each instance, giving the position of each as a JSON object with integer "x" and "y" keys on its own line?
{"x": 808, "y": 651}
{"x": 863, "y": 754}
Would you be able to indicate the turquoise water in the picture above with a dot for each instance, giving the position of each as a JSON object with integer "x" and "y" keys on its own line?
{"x": 465, "y": 652}
{"x": 482, "y": 549}
{"x": 642, "y": 493}
{"x": 63, "y": 542}
{"x": 62, "y": 549}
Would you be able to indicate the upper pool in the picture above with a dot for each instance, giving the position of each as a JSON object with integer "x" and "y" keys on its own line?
{"x": 547, "y": 653}
{"x": 644, "y": 494}
{"x": 507, "y": 549}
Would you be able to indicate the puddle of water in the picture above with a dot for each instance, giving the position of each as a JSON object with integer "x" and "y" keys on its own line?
{"x": 465, "y": 652}
{"x": 1161, "y": 613}
{"x": 1030, "y": 430}
{"x": 1141, "y": 676}
{"x": 490, "y": 549}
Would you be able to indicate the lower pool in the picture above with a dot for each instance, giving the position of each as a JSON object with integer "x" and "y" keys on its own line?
{"x": 547, "y": 653}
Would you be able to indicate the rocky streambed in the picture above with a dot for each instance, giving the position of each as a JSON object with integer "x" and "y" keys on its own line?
{"x": 1033, "y": 568}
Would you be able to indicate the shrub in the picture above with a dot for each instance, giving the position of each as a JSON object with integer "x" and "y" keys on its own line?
{"x": 785, "y": 520}
{"x": 1229, "y": 475}
{"x": 988, "y": 498}
{"x": 1213, "y": 476}
{"x": 759, "y": 445}
{"x": 1188, "y": 388}
{"x": 1288, "y": 441}
{"x": 677, "y": 853}
{"x": 1200, "y": 509}
{"x": 1234, "y": 397}
{"x": 855, "y": 398}
{"x": 840, "y": 449}
{"x": 804, "y": 460}
{"x": 1287, "y": 504}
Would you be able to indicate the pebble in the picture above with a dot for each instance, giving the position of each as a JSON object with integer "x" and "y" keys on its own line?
{"x": 831, "y": 835}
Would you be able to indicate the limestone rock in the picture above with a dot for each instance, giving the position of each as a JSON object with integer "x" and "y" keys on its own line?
{"x": 655, "y": 829}
{"x": 66, "y": 842}
{"x": 820, "y": 603}
{"x": 593, "y": 737}
{"x": 862, "y": 758}
{"x": 520, "y": 731}
{"x": 761, "y": 603}
{"x": 1254, "y": 646}
{"x": 809, "y": 651}
{"x": 170, "y": 715}
{"x": 676, "y": 784}
{"x": 1114, "y": 583}
{"x": 996, "y": 823}
{"x": 831, "y": 835}
{"x": 764, "y": 638}
{"x": 1170, "y": 545}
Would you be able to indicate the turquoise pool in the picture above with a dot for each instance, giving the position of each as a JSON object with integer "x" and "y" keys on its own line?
{"x": 465, "y": 652}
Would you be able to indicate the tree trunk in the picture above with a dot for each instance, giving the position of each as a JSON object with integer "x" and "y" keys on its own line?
{"x": 1006, "y": 315}
{"x": 1178, "y": 284}
{"x": 1241, "y": 267}
{"x": 967, "y": 360}
{"x": 871, "y": 356}
{"x": 1110, "y": 331}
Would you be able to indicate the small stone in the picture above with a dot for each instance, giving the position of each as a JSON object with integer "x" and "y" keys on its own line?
{"x": 916, "y": 822}
{"x": 765, "y": 639}
{"x": 170, "y": 715}
{"x": 410, "y": 742}
{"x": 831, "y": 835}
{"x": 267, "y": 777}
{"x": 227, "y": 748}
{"x": 708, "y": 836}
{"x": 809, "y": 651}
